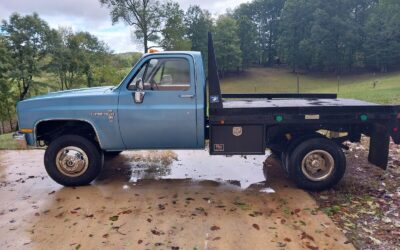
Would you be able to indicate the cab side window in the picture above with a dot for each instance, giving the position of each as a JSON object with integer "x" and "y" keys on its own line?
{"x": 163, "y": 74}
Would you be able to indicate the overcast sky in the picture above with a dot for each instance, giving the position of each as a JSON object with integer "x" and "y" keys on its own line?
{"x": 89, "y": 15}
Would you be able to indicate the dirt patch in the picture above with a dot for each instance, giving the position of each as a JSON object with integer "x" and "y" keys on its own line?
{"x": 365, "y": 205}
{"x": 159, "y": 213}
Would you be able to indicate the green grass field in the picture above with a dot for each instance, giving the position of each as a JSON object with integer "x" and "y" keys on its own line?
{"x": 7, "y": 142}
{"x": 360, "y": 86}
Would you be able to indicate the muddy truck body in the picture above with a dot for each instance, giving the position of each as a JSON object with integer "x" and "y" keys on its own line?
{"x": 164, "y": 103}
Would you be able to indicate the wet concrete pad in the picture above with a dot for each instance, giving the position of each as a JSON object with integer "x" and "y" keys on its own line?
{"x": 161, "y": 200}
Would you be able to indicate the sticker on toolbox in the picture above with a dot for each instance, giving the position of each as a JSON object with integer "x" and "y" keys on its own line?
{"x": 219, "y": 147}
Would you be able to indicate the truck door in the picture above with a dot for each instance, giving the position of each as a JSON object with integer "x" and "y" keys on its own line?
{"x": 166, "y": 117}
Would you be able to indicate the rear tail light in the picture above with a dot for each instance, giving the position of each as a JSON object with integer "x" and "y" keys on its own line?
{"x": 395, "y": 130}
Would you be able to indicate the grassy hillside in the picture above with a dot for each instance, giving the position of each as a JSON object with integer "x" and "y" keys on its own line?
{"x": 361, "y": 86}
{"x": 275, "y": 80}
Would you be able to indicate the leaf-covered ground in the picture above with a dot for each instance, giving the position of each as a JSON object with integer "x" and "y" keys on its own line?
{"x": 365, "y": 205}
{"x": 146, "y": 212}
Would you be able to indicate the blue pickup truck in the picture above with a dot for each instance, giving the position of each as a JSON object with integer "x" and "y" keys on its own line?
{"x": 164, "y": 103}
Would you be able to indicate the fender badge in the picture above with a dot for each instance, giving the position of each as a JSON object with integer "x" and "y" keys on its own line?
{"x": 237, "y": 131}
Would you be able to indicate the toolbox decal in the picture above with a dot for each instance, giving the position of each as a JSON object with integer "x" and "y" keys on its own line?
{"x": 237, "y": 131}
{"x": 219, "y": 148}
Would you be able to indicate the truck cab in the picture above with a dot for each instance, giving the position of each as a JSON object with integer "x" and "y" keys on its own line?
{"x": 169, "y": 109}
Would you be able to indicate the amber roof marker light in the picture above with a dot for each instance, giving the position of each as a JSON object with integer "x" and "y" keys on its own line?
{"x": 154, "y": 49}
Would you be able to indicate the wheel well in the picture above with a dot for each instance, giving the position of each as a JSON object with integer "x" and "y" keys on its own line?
{"x": 46, "y": 131}
{"x": 279, "y": 139}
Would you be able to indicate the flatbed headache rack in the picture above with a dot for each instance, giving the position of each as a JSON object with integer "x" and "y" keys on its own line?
{"x": 250, "y": 123}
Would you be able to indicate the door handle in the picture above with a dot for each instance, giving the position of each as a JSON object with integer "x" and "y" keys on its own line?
{"x": 186, "y": 96}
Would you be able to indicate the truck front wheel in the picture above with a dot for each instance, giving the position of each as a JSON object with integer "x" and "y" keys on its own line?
{"x": 73, "y": 160}
{"x": 316, "y": 164}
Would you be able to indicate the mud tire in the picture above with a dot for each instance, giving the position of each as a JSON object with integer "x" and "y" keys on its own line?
{"x": 295, "y": 161}
{"x": 93, "y": 153}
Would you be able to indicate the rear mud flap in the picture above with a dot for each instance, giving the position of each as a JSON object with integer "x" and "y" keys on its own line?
{"x": 379, "y": 146}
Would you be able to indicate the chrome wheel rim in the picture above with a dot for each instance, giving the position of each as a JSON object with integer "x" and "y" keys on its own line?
{"x": 72, "y": 161}
{"x": 318, "y": 165}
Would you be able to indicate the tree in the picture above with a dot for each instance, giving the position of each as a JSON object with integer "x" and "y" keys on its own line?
{"x": 144, "y": 15}
{"x": 27, "y": 40}
{"x": 6, "y": 95}
{"x": 227, "y": 45}
{"x": 248, "y": 34}
{"x": 92, "y": 54}
{"x": 198, "y": 23}
{"x": 174, "y": 31}
{"x": 76, "y": 54}
{"x": 382, "y": 28}
{"x": 267, "y": 15}
{"x": 334, "y": 35}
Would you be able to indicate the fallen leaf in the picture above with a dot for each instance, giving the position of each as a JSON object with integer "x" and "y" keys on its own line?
{"x": 256, "y": 226}
{"x": 304, "y": 235}
{"x": 126, "y": 211}
{"x": 280, "y": 244}
{"x": 114, "y": 218}
{"x": 214, "y": 228}
{"x": 60, "y": 215}
{"x": 156, "y": 232}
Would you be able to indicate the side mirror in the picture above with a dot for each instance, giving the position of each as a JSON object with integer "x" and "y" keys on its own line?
{"x": 139, "y": 93}
{"x": 139, "y": 96}
{"x": 139, "y": 84}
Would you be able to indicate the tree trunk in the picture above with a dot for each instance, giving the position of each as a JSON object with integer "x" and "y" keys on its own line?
{"x": 25, "y": 88}
{"x": 145, "y": 44}
{"x": 1, "y": 128}
{"x": 9, "y": 117}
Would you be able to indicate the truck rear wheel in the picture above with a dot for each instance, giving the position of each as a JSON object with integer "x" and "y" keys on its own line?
{"x": 316, "y": 164}
{"x": 292, "y": 145}
{"x": 73, "y": 160}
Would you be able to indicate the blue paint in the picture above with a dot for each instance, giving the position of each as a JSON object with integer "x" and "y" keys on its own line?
{"x": 163, "y": 120}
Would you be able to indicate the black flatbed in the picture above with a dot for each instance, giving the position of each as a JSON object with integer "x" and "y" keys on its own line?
{"x": 294, "y": 103}
{"x": 300, "y": 110}
{"x": 250, "y": 123}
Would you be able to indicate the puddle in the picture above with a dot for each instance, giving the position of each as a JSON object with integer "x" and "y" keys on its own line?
{"x": 197, "y": 165}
